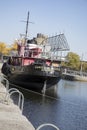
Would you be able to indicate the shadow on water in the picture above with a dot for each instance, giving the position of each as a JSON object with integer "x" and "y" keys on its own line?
{"x": 37, "y": 106}
{"x": 51, "y": 92}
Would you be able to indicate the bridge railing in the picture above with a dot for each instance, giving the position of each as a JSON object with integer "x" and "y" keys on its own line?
{"x": 73, "y": 72}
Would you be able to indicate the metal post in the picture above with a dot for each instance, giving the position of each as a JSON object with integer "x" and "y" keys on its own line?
{"x": 44, "y": 87}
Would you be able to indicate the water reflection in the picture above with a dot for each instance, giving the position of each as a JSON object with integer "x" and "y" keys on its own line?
{"x": 64, "y": 105}
{"x": 53, "y": 91}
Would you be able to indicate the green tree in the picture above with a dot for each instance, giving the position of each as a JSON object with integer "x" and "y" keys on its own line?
{"x": 84, "y": 66}
{"x": 73, "y": 60}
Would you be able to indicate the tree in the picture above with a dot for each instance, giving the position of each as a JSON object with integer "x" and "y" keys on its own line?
{"x": 14, "y": 46}
{"x": 73, "y": 60}
{"x": 3, "y": 49}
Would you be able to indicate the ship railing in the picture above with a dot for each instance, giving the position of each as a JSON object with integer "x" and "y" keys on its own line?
{"x": 47, "y": 55}
{"x": 47, "y": 125}
{"x": 20, "y": 98}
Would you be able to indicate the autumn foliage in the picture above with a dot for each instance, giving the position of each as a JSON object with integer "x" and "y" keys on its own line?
{"x": 5, "y": 49}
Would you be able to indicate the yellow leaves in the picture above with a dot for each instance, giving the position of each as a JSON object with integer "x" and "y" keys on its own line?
{"x": 2, "y": 46}
{"x": 14, "y": 46}
{"x": 4, "y": 49}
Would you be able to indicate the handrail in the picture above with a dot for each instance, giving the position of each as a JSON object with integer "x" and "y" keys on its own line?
{"x": 68, "y": 71}
{"x": 11, "y": 91}
{"x": 47, "y": 124}
{"x": 21, "y": 97}
{"x": 7, "y": 82}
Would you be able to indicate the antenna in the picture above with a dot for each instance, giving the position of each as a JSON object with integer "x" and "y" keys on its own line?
{"x": 27, "y": 22}
{"x": 27, "y": 25}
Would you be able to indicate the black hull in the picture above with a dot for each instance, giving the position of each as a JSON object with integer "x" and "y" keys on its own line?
{"x": 31, "y": 77}
{"x": 33, "y": 82}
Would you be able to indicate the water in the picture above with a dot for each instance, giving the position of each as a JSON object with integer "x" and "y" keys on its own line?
{"x": 64, "y": 105}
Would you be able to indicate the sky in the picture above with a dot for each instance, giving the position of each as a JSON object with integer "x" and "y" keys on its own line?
{"x": 49, "y": 17}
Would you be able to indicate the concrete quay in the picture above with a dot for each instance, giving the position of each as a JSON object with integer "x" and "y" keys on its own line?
{"x": 11, "y": 117}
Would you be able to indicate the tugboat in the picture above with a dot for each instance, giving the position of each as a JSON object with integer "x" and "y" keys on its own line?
{"x": 36, "y": 67}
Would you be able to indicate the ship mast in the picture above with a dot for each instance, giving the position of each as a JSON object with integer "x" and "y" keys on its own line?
{"x": 27, "y": 26}
{"x": 26, "y": 31}
{"x": 27, "y": 23}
